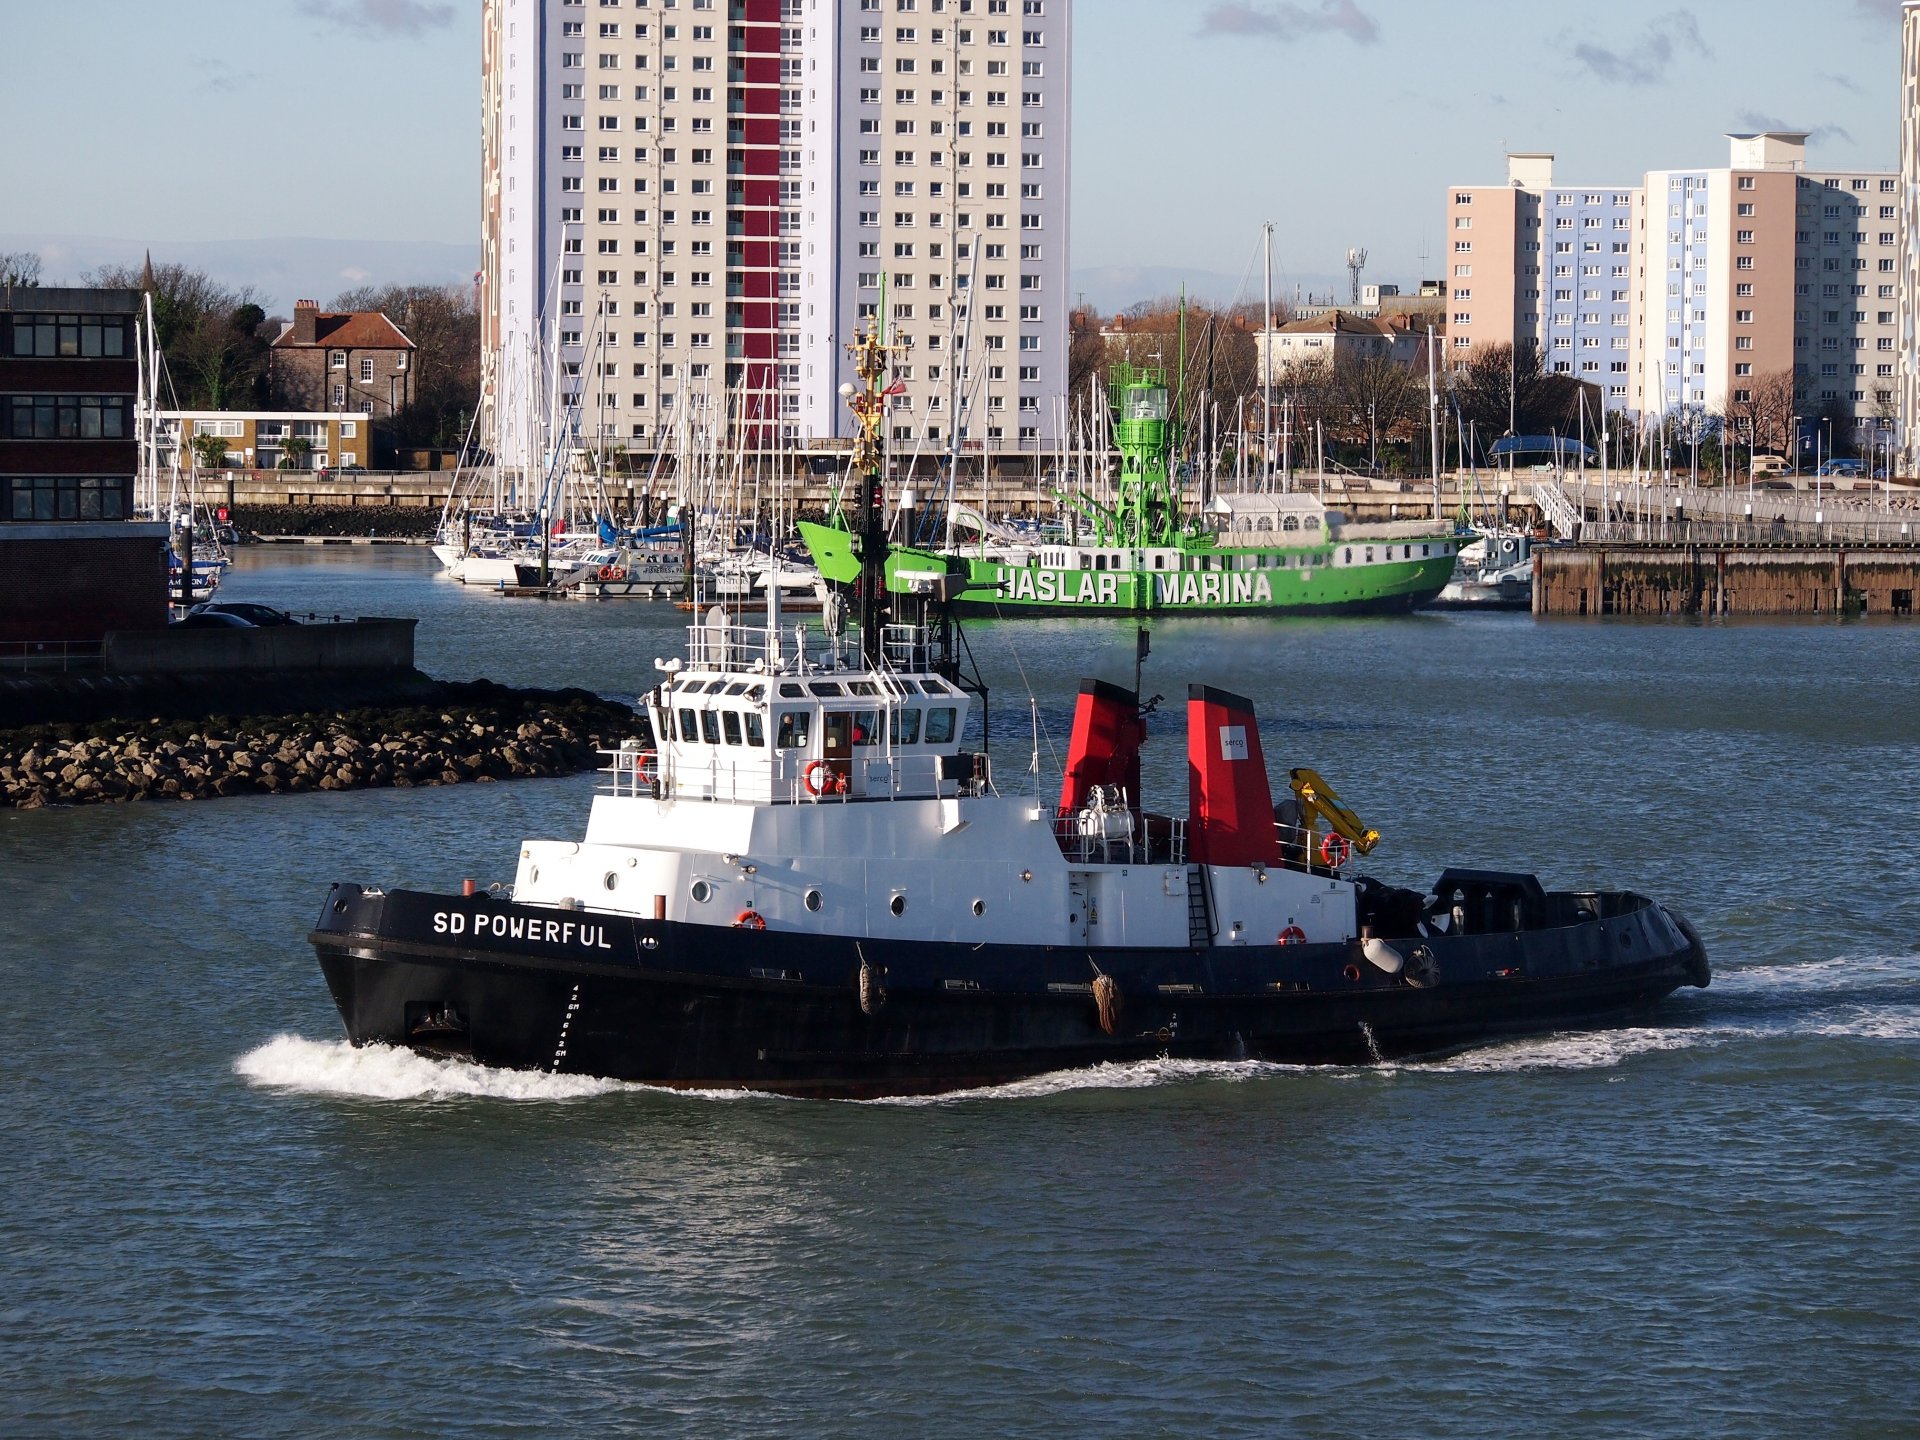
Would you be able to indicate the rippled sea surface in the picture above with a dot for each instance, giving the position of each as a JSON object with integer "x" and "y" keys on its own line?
{"x": 220, "y": 1219}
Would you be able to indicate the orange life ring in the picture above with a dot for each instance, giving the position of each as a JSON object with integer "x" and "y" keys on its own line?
{"x": 606, "y": 572}
{"x": 646, "y": 767}
{"x": 1334, "y": 849}
{"x": 749, "y": 920}
{"x": 619, "y": 572}
{"x": 1352, "y": 972}
{"x": 810, "y": 777}
{"x": 1292, "y": 935}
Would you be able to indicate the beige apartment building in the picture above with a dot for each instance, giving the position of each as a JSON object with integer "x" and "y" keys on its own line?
{"x": 1684, "y": 293}
{"x": 1533, "y": 261}
{"x": 1763, "y": 268}
{"x": 257, "y": 440}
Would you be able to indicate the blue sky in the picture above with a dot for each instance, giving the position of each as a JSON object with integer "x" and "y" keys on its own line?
{"x": 1342, "y": 120}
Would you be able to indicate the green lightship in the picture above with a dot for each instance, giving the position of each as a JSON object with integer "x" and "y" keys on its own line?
{"x": 1145, "y": 554}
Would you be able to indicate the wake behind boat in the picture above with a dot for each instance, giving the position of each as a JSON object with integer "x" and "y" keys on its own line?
{"x": 812, "y": 884}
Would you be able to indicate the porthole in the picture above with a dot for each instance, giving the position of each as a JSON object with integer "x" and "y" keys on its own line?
{"x": 898, "y": 905}
{"x": 814, "y": 900}
{"x": 613, "y": 881}
{"x": 702, "y": 892}
{"x": 979, "y": 907}
{"x": 533, "y": 875}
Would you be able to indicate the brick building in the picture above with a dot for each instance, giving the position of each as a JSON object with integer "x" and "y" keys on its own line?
{"x": 74, "y": 563}
{"x": 343, "y": 360}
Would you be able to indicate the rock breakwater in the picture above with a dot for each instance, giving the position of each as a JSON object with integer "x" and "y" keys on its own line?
{"x": 477, "y": 732}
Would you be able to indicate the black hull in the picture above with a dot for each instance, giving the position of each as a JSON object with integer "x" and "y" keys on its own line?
{"x": 706, "y": 1008}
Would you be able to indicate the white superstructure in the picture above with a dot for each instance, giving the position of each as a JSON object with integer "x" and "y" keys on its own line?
{"x": 795, "y": 788}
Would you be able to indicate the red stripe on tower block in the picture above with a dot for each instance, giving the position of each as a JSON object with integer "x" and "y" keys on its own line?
{"x": 1107, "y": 735}
{"x": 1230, "y": 814}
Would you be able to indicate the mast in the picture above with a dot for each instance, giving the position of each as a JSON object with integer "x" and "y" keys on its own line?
{"x": 869, "y": 406}
{"x": 1433, "y": 421}
{"x": 1266, "y": 359}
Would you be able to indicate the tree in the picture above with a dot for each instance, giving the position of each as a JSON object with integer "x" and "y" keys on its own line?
{"x": 1767, "y": 415}
{"x": 1378, "y": 398}
{"x": 209, "y": 451}
{"x": 1502, "y": 389}
{"x": 1086, "y": 352}
{"x": 212, "y": 337}
{"x": 294, "y": 451}
{"x": 19, "y": 269}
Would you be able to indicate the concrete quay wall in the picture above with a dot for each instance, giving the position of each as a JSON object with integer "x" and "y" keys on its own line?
{"x": 1707, "y": 580}
{"x": 365, "y": 644}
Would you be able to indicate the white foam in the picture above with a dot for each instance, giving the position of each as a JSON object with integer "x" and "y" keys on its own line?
{"x": 1841, "y": 973}
{"x": 381, "y": 1072}
{"x": 1570, "y": 1050}
{"x": 1872, "y": 1022}
{"x": 1137, "y": 1075}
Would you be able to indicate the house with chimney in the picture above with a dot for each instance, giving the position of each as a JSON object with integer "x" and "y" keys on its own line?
{"x": 339, "y": 361}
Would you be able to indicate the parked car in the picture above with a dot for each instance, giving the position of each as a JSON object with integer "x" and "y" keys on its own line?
{"x": 212, "y": 620}
{"x": 1853, "y": 468}
{"x": 249, "y": 611}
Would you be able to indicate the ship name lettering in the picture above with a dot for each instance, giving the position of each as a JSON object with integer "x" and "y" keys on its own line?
{"x": 518, "y": 927}
{"x": 1188, "y": 588}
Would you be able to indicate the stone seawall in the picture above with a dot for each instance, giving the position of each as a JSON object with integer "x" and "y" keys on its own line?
{"x": 470, "y": 732}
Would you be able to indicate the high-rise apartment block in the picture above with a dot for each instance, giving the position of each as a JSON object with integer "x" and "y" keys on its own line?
{"x": 1907, "y": 338}
{"x": 1535, "y": 261}
{"x": 1686, "y": 292}
{"x": 692, "y": 204}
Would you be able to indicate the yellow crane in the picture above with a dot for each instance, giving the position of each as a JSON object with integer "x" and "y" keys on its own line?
{"x": 1318, "y": 800}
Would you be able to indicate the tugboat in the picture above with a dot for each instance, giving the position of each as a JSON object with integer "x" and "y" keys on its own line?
{"x": 1247, "y": 554}
{"x": 810, "y": 885}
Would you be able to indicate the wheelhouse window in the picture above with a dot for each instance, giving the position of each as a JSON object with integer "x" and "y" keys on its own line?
{"x": 940, "y": 723}
{"x": 906, "y": 727}
{"x": 795, "y": 728}
{"x": 730, "y": 726}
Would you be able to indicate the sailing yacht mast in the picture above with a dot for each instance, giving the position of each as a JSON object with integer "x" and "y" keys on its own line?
{"x": 1266, "y": 359}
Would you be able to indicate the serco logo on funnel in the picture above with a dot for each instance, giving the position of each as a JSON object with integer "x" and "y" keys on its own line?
{"x": 1233, "y": 742}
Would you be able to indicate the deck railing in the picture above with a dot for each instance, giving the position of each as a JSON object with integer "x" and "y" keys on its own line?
{"x": 49, "y": 655}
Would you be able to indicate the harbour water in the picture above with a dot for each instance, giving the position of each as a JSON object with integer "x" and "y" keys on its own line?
{"x": 219, "y": 1219}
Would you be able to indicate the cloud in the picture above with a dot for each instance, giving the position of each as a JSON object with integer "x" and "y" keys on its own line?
{"x": 1759, "y": 120}
{"x": 217, "y": 77}
{"x": 395, "y": 17}
{"x": 1648, "y": 59}
{"x": 1286, "y": 21}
